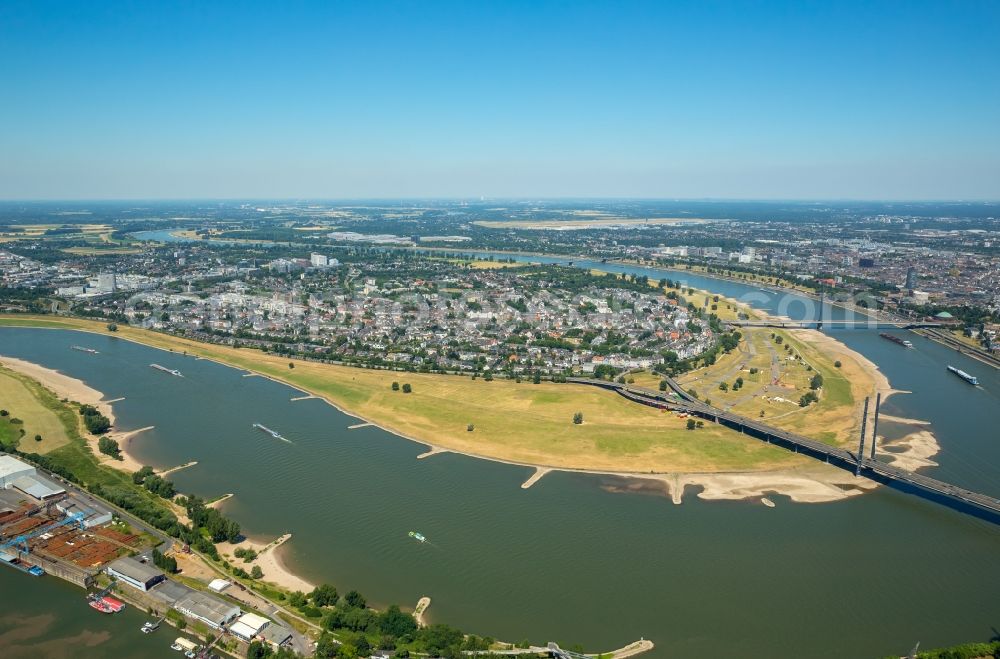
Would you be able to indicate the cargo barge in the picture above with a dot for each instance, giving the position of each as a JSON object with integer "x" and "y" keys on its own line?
{"x": 82, "y": 349}
{"x": 270, "y": 432}
{"x": 971, "y": 379}
{"x": 171, "y": 371}
{"x": 895, "y": 339}
{"x": 20, "y": 564}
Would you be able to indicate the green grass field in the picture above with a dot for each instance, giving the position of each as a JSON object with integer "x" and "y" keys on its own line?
{"x": 25, "y": 400}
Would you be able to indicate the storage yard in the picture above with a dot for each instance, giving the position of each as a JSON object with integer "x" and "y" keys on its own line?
{"x": 46, "y": 528}
{"x": 43, "y": 524}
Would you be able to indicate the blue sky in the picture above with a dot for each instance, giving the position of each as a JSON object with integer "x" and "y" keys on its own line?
{"x": 801, "y": 100}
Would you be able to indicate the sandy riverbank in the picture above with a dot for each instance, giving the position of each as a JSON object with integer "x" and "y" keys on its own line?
{"x": 64, "y": 386}
{"x": 270, "y": 562}
{"x": 68, "y": 388}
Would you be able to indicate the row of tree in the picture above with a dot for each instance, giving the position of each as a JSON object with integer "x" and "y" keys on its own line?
{"x": 95, "y": 422}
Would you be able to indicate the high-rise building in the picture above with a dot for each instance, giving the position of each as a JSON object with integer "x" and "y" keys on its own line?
{"x": 319, "y": 260}
{"x": 106, "y": 282}
{"x": 911, "y": 278}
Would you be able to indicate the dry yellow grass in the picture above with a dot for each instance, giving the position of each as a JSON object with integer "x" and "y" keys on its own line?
{"x": 524, "y": 423}
{"x": 97, "y": 251}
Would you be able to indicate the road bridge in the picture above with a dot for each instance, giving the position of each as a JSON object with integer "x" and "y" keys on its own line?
{"x": 847, "y": 324}
{"x": 676, "y": 399}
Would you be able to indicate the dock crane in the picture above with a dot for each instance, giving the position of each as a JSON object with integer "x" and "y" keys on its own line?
{"x": 20, "y": 542}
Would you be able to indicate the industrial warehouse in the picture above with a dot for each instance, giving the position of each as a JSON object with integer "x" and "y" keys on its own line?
{"x": 50, "y": 527}
{"x": 45, "y": 528}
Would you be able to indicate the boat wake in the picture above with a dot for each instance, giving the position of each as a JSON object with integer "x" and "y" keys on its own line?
{"x": 272, "y": 433}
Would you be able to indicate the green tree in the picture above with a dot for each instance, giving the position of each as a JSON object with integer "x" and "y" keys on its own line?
{"x": 578, "y": 418}
{"x": 395, "y": 386}
{"x": 256, "y": 572}
{"x": 355, "y": 600}
{"x": 164, "y": 562}
{"x": 691, "y": 424}
{"x": 407, "y": 388}
{"x": 110, "y": 447}
{"x": 139, "y": 476}
{"x": 394, "y": 622}
{"x": 258, "y": 650}
{"x": 112, "y": 327}
{"x": 324, "y": 595}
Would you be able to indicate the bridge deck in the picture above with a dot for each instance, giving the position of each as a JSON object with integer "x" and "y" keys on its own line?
{"x": 812, "y": 324}
{"x": 926, "y": 486}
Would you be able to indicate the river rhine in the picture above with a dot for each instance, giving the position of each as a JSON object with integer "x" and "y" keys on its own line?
{"x": 568, "y": 560}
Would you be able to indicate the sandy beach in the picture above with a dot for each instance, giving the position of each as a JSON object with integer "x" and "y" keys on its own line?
{"x": 269, "y": 561}
{"x": 66, "y": 387}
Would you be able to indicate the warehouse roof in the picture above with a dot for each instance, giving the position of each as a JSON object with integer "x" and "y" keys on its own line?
{"x": 255, "y": 621}
{"x": 134, "y": 569}
{"x": 10, "y": 466}
{"x": 36, "y": 486}
{"x": 207, "y": 607}
{"x": 219, "y": 585}
{"x": 275, "y": 633}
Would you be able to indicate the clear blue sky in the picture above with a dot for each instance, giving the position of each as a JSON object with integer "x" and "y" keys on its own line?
{"x": 836, "y": 99}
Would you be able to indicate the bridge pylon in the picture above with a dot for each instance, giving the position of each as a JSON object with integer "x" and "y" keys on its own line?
{"x": 861, "y": 446}
{"x": 878, "y": 404}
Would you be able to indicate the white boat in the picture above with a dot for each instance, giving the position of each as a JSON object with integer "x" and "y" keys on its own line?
{"x": 419, "y": 537}
{"x": 767, "y": 502}
{"x": 189, "y": 648}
